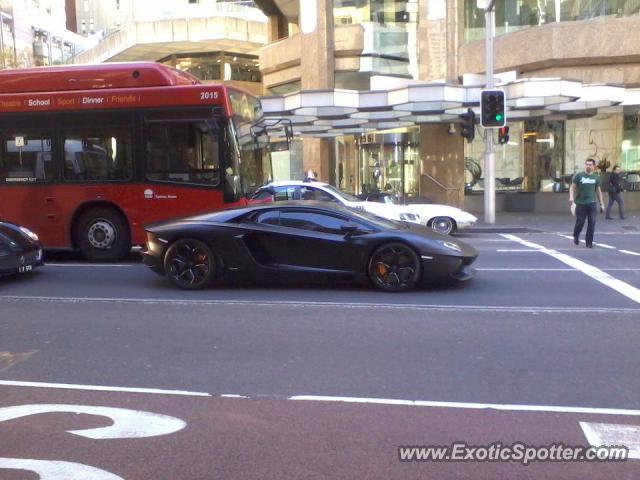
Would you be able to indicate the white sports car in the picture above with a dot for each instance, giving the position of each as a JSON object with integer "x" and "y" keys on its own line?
{"x": 441, "y": 218}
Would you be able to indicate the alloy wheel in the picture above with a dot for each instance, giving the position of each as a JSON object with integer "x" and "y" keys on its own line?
{"x": 189, "y": 264}
{"x": 394, "y": 267}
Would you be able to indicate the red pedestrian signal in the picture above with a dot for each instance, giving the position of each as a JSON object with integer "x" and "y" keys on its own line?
{"x": 503, "y": 135}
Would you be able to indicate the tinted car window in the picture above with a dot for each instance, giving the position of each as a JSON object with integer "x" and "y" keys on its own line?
{"x": 310, "y": 193}
{"x": 315, "y": 222}
{"x": 269, "y": 217}
{"x": 286, "y": 193}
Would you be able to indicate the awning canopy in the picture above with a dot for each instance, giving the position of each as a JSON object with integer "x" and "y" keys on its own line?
{"x": 332, "y": 113}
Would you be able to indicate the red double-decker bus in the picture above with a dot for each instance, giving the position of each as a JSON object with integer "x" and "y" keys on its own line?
{"x": 89, "y": 154}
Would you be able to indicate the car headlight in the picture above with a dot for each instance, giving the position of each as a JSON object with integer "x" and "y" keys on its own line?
{"x": 410, "y": 217}
{"x": 450, "y": 245}
{"x": 29, "y": 234}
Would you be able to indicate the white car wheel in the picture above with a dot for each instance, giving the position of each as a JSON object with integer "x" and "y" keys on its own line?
{"x": 443, "y": 225}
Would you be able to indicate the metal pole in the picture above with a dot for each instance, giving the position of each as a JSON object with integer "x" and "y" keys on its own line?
{"x": 489, "y": 157}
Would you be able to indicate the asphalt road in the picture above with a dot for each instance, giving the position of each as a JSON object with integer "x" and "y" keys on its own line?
{"x": 544, "y": 324}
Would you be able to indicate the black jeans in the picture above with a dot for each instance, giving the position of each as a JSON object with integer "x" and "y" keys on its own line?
{"x": 615, "y": 197}
{"x": 587, "y": 212}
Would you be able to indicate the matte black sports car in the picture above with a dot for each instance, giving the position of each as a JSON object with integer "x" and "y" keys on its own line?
{"x": 300, "y": 241}
{"x": 20, "y": 250}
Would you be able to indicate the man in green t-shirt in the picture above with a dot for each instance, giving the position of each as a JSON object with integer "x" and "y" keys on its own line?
{"x": 582, "y": 193}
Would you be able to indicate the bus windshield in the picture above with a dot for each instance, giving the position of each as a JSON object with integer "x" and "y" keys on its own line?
{"x": 254, "y": 162}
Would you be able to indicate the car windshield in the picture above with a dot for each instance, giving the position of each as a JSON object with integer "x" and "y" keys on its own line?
{"x": 346, "y": 196}
{"x": 378, "y": 221}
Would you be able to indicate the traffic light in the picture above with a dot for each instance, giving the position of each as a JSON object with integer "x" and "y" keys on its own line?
{"x": 468, "y": 126}
{"x": 492, "y": 108}
{"x": 503, "y": 135}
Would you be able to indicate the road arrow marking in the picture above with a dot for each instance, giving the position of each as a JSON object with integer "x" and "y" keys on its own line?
{"x": 611, "y": 434}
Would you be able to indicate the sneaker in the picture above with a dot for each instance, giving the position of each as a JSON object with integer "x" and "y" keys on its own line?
{"x": 589, "y": 245}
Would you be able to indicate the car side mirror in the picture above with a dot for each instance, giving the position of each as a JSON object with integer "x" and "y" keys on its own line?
{"x": 349, "y": 229}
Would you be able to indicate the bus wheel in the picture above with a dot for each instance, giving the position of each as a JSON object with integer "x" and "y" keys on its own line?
{"x": 102, "y": 235}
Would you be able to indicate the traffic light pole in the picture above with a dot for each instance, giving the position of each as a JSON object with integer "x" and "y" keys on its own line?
{"x": 489, "y": 156}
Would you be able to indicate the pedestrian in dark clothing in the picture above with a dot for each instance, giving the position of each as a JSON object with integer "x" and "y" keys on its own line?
{"x": 615, "y": 193}
{"x": 582, "y": 197}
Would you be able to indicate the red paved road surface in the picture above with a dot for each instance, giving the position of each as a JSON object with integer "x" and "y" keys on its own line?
{"x": 283, "y": 439}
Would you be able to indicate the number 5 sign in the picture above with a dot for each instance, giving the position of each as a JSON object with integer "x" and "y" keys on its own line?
{"x": 126, "y": 424}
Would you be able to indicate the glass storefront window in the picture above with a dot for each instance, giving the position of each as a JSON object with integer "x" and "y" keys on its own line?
{"x": 630, "y": 145}
{"x": 509, "y": 166}
{"x": 347, "y": 12}
{"x": 518, "y": 14}
{"x": 386, "y": 162}
{"x": 218, "y": 66}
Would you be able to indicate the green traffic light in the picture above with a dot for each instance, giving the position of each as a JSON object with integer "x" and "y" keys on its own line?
{"x": 498, "y": 118}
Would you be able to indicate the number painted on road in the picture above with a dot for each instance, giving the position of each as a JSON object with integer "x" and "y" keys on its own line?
{"x": 53, "y": 470}
{"x": 126, "y": 424}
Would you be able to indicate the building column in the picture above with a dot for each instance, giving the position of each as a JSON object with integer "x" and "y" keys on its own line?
{"x": 318, "y": 73}
{"x": 442, "y": 169}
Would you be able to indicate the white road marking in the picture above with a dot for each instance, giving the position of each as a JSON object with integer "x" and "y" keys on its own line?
{"x": 127, "y": 423}
{"x": 619, "y": 286}
{"x": 599, "y": 434}
{"x": 604, "y": 246}
{"x": 551, "y": 269}
{"x": 99, "y": 388}
{"x": 341, "y": 306}
{"x": 516, "y": 250}
{"x": 472, "y": 406}
{"x": 95, "y": 265}
{"x": 528, "y": 269}
{"x": 56, "y": 470}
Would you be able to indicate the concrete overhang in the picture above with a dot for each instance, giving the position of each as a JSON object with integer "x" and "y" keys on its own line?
{"x": 331, "y": 113}
{"x": 288, "y": 8}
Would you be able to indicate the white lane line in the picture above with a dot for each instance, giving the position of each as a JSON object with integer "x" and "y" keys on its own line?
{"x": 100, "y": 388}
{"x": 472, "y": 406}
{"x": 619, "y": 286}
{"x": 605, "y": 246}
{"x": 338, "y": 305}
{"x": 599, "y": 434}
{"x": 75, "y": 265}
{"x": 552, "y": 270}
{"x": 529, "y": 269}
{"x": 516, "y": 250}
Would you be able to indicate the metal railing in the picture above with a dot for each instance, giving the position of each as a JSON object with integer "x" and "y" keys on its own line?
{"x": 442, "y": 186}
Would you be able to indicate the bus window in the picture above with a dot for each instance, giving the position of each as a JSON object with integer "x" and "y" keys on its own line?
{"x": 25, "y": 158}
{"x": 101, "y": 157}
{"x": 183, "y": 152}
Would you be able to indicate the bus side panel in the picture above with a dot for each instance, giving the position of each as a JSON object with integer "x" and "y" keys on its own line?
{"x": 141, "y": 203}
{"x": 32, "y": 206}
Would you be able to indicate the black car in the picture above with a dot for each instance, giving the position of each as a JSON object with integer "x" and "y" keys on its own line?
{"x": 300, "y": 241}
{"x": 20, "y": 250}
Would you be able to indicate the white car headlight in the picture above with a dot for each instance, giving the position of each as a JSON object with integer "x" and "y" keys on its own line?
{"x": 410, "y": 217}
{"x": 29, "y": 233}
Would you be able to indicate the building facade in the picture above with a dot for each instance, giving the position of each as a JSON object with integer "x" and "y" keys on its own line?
{"x": 216, "y": 40}
{"x": 379, "y": 44}
{"x": 33, "y": 33}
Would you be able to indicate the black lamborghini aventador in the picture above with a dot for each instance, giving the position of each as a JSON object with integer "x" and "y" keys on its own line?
{"x": 299, "y": 242}
{"x": 20, "y": 250}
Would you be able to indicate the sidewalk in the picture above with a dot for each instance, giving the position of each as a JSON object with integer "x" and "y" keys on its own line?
{"x": 507, "y": 222}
